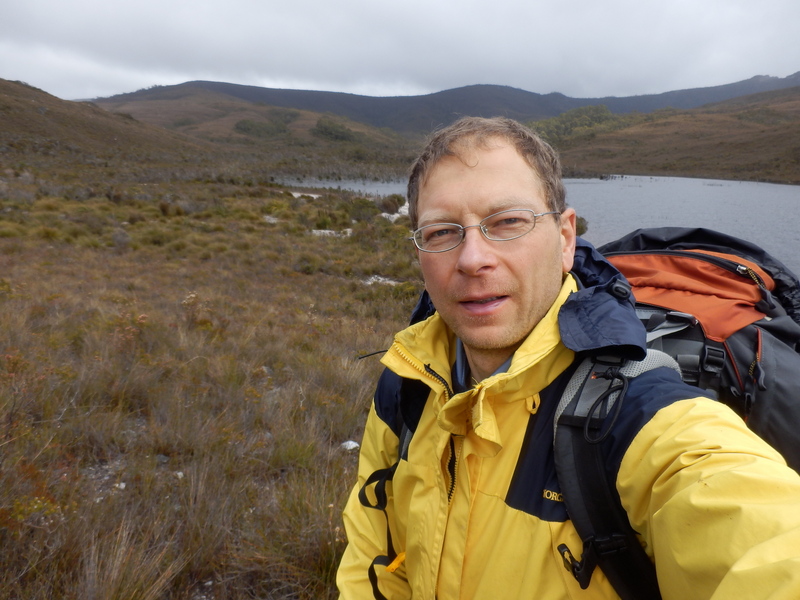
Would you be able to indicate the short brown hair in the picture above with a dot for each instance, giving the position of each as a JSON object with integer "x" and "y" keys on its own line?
{"x": 542, "y": 158}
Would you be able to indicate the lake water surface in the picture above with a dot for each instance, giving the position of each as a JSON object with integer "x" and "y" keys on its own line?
{"x": 763, "y": 213}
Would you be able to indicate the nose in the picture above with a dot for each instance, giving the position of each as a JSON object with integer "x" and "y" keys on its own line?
{"x": 476, "y": 252}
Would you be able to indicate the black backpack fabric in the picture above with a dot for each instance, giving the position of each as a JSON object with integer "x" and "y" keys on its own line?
{"x": 729, "y": 313}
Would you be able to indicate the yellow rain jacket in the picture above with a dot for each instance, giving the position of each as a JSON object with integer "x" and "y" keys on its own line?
{"x": 474, "y": 511}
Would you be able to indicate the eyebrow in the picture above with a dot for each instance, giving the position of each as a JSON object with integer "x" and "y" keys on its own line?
{"x": 495, "y": 208}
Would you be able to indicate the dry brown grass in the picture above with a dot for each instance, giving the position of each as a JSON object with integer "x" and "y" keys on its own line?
{"x": 755, "y": 138}
{"x": 177, "y": 376}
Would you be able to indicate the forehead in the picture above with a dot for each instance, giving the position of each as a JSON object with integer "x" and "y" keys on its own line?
{"x": 479, "y": 178}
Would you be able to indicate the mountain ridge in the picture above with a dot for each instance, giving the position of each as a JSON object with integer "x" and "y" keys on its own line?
{"x": 422, "y": 113}
{"x": 194, "y": 132}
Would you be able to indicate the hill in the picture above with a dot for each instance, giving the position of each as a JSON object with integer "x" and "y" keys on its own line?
{"x": 421, "y": 114}
{"x": 36, "y": 123}
{"x": 200, "y": 132}
{"x": 749, "y": 138}
{"x": 196, "y": 132}
{"x": 736, "y": 137}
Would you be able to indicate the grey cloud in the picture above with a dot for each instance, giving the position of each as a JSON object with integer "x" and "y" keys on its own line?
{"x": 582, "y": 48}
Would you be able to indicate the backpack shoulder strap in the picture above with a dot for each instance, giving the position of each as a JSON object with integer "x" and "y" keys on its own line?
{"x": 399, "y": 403}
{"x": 584, "y": 418}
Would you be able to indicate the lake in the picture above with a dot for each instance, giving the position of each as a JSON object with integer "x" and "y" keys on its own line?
{"x": 763, "y": 213}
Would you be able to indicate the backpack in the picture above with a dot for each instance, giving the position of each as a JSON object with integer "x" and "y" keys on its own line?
{"x": 719, "y": 310}
{"x": 727, "y": 315}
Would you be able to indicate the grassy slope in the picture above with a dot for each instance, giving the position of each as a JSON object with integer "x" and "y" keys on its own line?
{"x": 178, "y": 365}
{"x": 36, "y": 121}
{"x": 174, "y": 393}
{"x": 753, "y": 138}
{"x": 211, "y": 116}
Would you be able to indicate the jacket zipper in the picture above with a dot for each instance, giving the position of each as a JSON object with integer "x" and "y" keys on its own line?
{"x": 448, "y": 392}
{"x": 452, "y": 461}
{"x": 427, "y": 370}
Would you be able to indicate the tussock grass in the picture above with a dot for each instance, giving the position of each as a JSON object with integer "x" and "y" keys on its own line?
{"x": 175, "y": 386}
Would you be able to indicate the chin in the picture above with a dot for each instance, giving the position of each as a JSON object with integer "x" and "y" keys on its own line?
{"x": 486, "y": 341}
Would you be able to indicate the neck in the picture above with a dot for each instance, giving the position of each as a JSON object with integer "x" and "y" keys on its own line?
{"x": 484, "y": 362}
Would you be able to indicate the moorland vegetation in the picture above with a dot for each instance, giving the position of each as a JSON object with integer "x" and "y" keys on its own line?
{"x": 752, "y": 137}
{"x": 177, "y": 379}
{"x": 179, "y": 364}
{"x": 179, "y": 360}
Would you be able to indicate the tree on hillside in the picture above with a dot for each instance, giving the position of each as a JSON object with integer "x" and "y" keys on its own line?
{"x": 330, "y": 129}
{"x": 585, "y": 120}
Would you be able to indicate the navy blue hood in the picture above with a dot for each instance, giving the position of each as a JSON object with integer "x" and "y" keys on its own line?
{"x": 601, "y": 317}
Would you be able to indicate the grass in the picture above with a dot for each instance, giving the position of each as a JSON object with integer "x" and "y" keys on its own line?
{"x": 177, "y": 375}
{"x": 179, "y": 360}
{"x": 754, "y": 139}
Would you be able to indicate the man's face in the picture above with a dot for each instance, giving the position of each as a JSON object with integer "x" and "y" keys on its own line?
{"x": 492, "y": 293}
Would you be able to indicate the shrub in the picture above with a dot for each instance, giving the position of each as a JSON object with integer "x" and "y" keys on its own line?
{"x": 363, "y": 209}
{"x": 330, "y": 129}
{"x": 261, "y": 129}
{"x": 582, "y": 225}
{"x": 11, "y": 230}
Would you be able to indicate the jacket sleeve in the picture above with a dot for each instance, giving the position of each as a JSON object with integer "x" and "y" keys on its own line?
{"x": 366, "y": 527}
{"x": 717, "y": 507}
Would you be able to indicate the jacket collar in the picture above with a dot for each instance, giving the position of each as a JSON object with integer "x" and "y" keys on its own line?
{"x": 601, "y": 317}
{"x": 427, "y": 351}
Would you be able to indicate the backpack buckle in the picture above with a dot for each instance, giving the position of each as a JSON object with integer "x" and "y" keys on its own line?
{"x": 713, "y": 359}
{"x": 593, "y": 549}
{"x": 620, "y": 289}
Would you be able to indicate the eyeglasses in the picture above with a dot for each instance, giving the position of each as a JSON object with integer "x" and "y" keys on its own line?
{"x": 500, "y": 227}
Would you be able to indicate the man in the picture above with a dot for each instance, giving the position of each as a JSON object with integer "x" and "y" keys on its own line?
{"x": 473, "y": 509}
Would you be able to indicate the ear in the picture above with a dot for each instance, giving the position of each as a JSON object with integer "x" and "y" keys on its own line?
{"x": 569, "y": 235}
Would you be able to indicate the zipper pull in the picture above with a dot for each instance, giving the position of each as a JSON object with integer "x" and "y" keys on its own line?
{"x": 767, "y": 303}
{"x": 746, "y": 271}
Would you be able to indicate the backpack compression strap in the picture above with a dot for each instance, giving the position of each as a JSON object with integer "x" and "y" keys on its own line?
{"x": 379, "y": 478}
{"x": 584, "y": 418}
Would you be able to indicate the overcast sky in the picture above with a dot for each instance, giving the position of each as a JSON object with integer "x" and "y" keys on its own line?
{"x": 80, "y": 49}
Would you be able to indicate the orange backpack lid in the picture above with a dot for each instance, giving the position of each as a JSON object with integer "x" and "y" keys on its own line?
{"x": 723, "y": 300}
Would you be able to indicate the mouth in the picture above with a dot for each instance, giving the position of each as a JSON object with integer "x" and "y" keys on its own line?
{"x": 483, "y": 300}
{"x": 483, "y": 307}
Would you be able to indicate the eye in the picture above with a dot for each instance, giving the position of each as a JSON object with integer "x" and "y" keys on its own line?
{"x": 509, "y": 219}
{"x": 437, "y": 233}
{"x": 509, "y": 224}
{"x": 443, "y": 232}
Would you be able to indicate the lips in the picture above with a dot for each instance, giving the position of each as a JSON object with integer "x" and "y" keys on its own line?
{"x": 484, "y": 300}
{"x": 483, "y": 306}
{"x": 481, "y": 299}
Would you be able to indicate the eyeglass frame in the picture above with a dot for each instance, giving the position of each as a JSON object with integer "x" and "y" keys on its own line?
{"x": 463, "y": 229}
